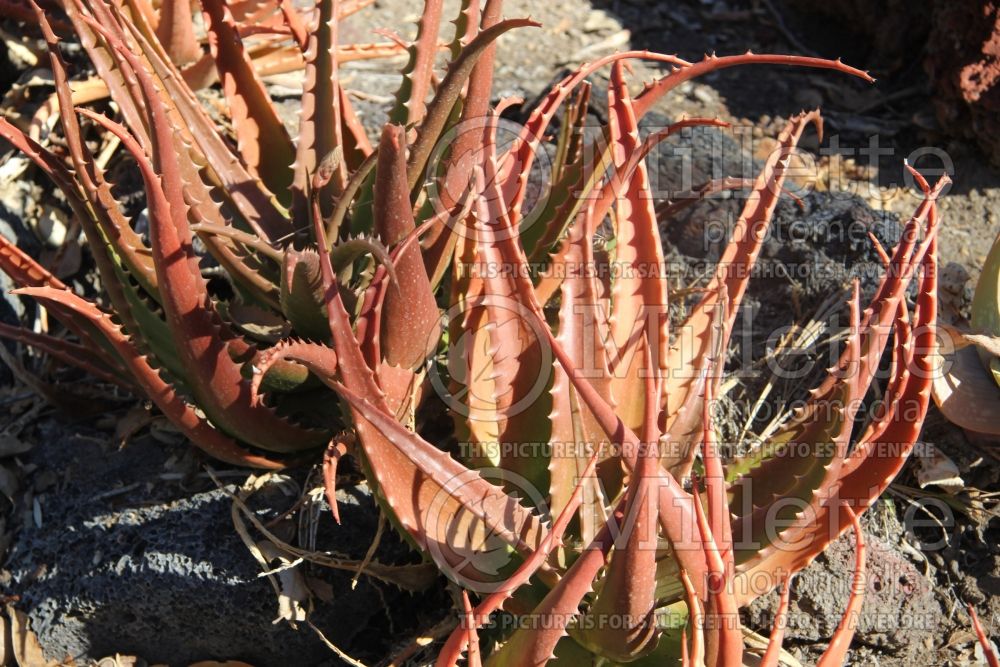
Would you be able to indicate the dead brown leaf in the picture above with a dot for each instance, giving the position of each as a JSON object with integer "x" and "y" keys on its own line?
{"x": 136, "y": 419}
{"x": 118, "y": 660}
{"x": 962, "y": 339}
{"x": 963, "y": 390}
{"x": 25, "y": 646}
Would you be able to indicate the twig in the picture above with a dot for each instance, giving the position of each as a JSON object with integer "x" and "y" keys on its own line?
{"x": 330, "y": 645}
{"x": 779, "y": 23}
{"x": 900, "y": 94}
{"x": 115, "y": 492}
{"x": 372, "y": 548}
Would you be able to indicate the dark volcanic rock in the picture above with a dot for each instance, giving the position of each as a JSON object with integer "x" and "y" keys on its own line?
{"x": 157, "y": 569}
{"x": 900, "y": 611}
{"x": 963, "y": 62}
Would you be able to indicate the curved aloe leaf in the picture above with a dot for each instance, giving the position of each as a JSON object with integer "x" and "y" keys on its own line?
{"x": 872, "y": 465}
{"x": 727, "y": 287}
{"x": 176, "y": 31}
{"x": 320, "y": 129}
{"x": 639, "y": 292}
{"x": 195, "y": 427}
{"x": 627, "y": 590}
{"x": 261, "y": 137}
{"x": 213, "y": 378}
{"x": 412, "y": 94}
{"x": 410, "y": 299}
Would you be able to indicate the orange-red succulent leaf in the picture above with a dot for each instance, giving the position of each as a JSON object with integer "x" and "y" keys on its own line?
{"x": 411, "y": 98}
{"x": 187, "y": 419}
{"x": 835, "y": 653}
{"x": 261, "y": 137}
{"x": 984, "y": 641}
{"x": 175, "y": 30}
{"x": 410, "y": 318}
{"x": 773, "y": 652}
{"x": 320, "y": 125}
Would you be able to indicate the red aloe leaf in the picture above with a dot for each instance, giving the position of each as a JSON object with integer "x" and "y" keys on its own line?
{"x": 582, "y": 331}
{"x": 534, "y": 645}
{"x": 984, "y": 641}
{"x": 574, "y": 187}
{"x": 715, "y": 477}
{"x": 639, "y": 292}
{"x": 331, "y": 458}
{"x": 625, "y": 168}
{"x": 496, "y": 357}
{"x": 696, "y": 621}
{"x": 899, "y": 375}
{"x": 515, "y": 356}
{"x": 214, "y": 379}
{"x": 71, "y": 354}
{"x": 295, "y": 22}
{"x": 450, "y": 652}
{"x": 656, "y": 90}
{"x": 724, "y": 639}
{"x": 175, "y": 31}
{"x": 200, "y": 142}
{"x": 472, "y": 637}
{"x": 410, "y": 319}
{"x": 732, "y": 275}
{"x": 261, "y": 137}
{"x": 879, "y": 460}
{"x": 565, "y": 196}
{"x": 667, "y": 210}
{"x": 412, "y": 94}
{"x": 676, "y": 514}
{"x": 804, "y": 463}
{"x": 835, "y": 653}
{"x": 463, "y": 153}
{"x": 448, "y": 510}
{"x": 433, "y": 497}
{"x": 131, "y": 305}
{"x": 521, "y": 156}
{"x": 357, "y": 147}
{"x": 889, "y": 297}
{"x": 201, "y": 433}
{"x": 320, "y": 129}
{"x": 773, "y": 652}
{"x": 105, "y": 210}
{"x": 467, "y": 25}
{"x": 448, "y": 93}
{"x": 17, "y": 264}
{"x": 627, "y": 591}
{"x": 105, "y": 61}
{"x": 213, "y": 229}
{"x": 21, "y": 266}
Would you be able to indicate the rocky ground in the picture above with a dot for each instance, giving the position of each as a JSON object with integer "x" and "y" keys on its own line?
{"x": 133, "y": 550}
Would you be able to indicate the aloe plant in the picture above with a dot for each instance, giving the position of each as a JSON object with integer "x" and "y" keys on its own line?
{"x": 343, "y": 255}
